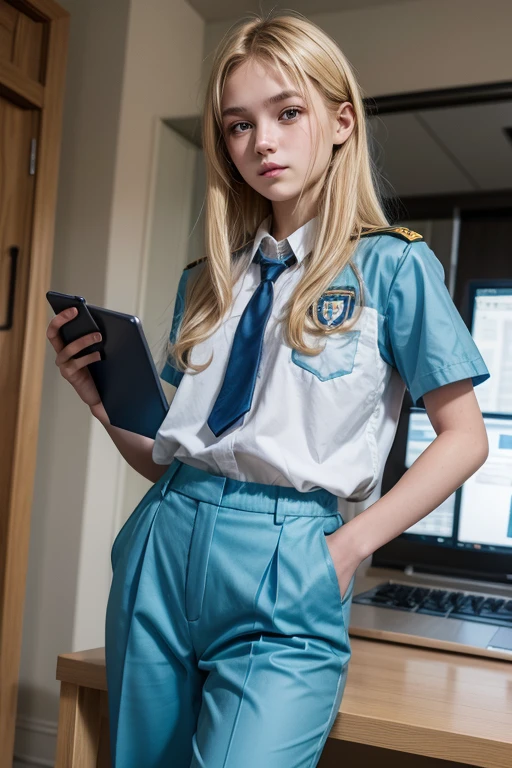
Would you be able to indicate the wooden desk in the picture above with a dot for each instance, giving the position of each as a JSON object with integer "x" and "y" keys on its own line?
{"x": 411, "y": 706}
{"x": 83, "y": 736}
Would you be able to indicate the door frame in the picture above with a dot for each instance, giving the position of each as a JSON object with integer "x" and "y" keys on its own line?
{"x": 48, "y": 97}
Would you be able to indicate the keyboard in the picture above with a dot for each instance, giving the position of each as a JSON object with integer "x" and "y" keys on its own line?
{"x": 443, "y": 603}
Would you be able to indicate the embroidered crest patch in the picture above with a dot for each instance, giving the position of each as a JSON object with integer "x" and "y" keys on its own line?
{"x": 334, "y": 307}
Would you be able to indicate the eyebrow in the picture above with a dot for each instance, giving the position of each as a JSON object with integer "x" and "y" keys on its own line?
{"x": 272, "y": 100}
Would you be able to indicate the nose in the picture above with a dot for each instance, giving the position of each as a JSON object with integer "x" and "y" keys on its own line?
{"x": 264, "y": 140}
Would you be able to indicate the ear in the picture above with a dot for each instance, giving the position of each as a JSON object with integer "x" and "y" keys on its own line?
{"x": 346, "y": 120}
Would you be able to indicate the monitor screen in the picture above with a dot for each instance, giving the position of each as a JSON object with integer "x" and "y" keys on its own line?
{"x": 478, "y": 516}
{"x": 470, "y": 533}
{"x": 490, "y": 324}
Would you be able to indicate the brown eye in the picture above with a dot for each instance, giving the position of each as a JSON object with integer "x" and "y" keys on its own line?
{"x": 298, "y": 110}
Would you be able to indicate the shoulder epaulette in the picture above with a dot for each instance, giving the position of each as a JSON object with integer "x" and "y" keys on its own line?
{"x": 193, "y": 263}
{"x": 402, "y": 232}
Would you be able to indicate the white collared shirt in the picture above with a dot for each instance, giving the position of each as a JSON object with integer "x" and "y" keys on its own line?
{"x": 326, "y": 421}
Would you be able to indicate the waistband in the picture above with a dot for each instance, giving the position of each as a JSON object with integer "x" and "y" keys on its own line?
{"x": 251, "y": 497}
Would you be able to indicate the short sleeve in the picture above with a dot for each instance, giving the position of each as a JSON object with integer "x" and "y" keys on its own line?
{"x": 427, "y": 340}
{"x": 169, "y": 373}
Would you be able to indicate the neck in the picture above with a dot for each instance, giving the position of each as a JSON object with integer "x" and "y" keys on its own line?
{"x": 286, "y": 220}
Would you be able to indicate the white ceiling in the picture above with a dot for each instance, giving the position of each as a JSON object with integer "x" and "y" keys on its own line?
{"x": 221, "y": 10}
{"x": 448, "y": 150}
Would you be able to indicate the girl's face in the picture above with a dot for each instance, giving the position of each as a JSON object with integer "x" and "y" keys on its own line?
{"x": 259, "y": 130}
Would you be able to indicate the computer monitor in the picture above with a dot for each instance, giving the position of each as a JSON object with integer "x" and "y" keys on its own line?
{"x": 488, "y": 315}
{"x": 469, "y": 534}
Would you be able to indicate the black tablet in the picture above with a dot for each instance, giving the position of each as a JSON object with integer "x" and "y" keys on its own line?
{"x": 126, "y": 378}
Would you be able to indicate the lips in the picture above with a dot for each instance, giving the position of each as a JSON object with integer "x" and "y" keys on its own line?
{"x": 271, "y": 167}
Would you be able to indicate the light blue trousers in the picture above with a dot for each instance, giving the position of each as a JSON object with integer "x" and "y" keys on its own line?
{"x": 226, "y": 635}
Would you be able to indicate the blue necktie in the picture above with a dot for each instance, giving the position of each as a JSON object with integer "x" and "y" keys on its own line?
{"x": 235, "y": 396}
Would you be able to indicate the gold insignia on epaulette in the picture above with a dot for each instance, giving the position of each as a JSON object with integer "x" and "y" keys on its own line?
{"x": 402, "y": 232}
{"x": 408, "y": 233}
{"x": 193, "y": 263}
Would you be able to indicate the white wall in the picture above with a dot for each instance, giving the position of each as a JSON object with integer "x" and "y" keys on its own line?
{"x": 131, "y": 64}
{"x": 161, "y": 80}
{"x": 167, "y": 250}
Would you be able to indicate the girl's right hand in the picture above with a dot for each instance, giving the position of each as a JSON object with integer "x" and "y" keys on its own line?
{"x": 75, "y": 370}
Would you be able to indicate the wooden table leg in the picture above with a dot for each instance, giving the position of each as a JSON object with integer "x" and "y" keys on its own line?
{"x": 79, "y": 727}
{"x": 104, "y": 760}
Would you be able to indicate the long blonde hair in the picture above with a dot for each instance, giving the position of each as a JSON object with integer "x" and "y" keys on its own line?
{"x": 348, "y": 199}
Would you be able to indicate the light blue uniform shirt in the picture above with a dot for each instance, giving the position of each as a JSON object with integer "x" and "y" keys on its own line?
{"x": 326, "y": 421}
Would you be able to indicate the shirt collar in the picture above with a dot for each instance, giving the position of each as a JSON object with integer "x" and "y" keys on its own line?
{"x": 299, "y": 242}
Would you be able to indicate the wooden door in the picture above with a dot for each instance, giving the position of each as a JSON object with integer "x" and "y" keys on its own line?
{"x": 33, "y": 47}
{"x": 18, "y": 133}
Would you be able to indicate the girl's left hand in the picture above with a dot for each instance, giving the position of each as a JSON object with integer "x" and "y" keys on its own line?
{"x": 344, "y": 561}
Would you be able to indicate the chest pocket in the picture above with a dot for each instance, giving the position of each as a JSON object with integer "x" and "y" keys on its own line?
{"x": 336, "y": 359}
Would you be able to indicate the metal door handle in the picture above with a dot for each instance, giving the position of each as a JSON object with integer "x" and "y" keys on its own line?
{"x": 13, "y": 250}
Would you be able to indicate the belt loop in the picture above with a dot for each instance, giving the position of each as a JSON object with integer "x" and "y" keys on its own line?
{"x": 168, "y": 476}
{"x": 279, "y": 513}
{"x": 222, "y": 492}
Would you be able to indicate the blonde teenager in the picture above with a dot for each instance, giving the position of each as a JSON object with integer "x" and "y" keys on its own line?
{"x": 294, "y": 337}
